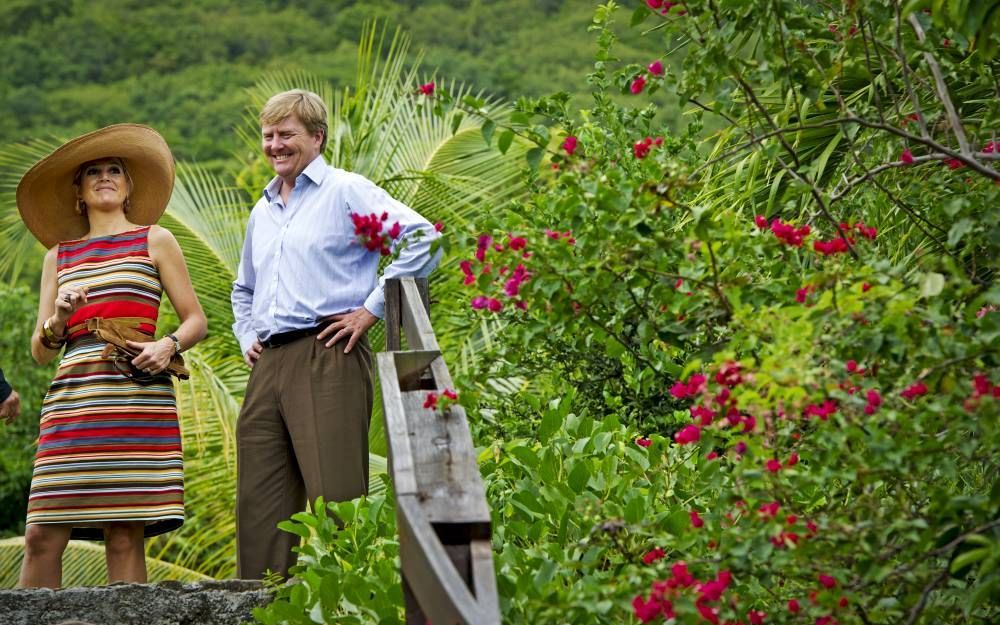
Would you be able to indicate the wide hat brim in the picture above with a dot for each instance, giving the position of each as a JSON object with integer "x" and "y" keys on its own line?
{"x": 46, "y": 197}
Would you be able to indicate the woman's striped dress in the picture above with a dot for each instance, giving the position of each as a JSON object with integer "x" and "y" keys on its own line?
{"x": 109, "y": 448}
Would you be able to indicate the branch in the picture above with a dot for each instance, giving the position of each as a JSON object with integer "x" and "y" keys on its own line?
{"x": 917, "y": 609}
{"x": 906, "y": 75}
{"x": 942, "y": 89}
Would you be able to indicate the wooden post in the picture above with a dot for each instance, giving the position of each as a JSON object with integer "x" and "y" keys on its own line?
{"x": 443, "y": 520}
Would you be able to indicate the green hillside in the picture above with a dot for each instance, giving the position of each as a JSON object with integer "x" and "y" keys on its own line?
{"x": 183, "y": 66}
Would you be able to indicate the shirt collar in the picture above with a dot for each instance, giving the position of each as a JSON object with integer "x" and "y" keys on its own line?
{"x": 315, "y": 172}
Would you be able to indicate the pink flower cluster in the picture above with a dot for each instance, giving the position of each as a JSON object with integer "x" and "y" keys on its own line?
{"x": 510, "y": 276}
{"x": 663, "y": 6}
{"x": 913, "y": 391}
{"x": 570, "y": 144}
{"x": 427, "y": 89}
{"x": 642, "y": 147}
{"x": 655, "y": 69}
{"x": 784, "y": 232}
{"x": 368, "y": 229}
{"x": 981, "y": 387}
{"x": 663, "y": 594}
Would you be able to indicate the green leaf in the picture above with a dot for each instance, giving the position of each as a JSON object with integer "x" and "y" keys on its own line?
{"x": 931, "y": 284}
{"x": 639, "y": 16}
{"x": 506, "y": 138}
{"x": 488, "y": 128}
{"x": 534, "y": 157}
{"x": 456, "y": 121}
{"x": 551, "y": 421}
{"x": 635, "y": 509}
{"x": 959, "y": 230}
{"x": 579, "y": 476}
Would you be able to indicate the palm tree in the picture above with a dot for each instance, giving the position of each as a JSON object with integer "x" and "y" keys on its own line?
{"x": 436, "y": 162}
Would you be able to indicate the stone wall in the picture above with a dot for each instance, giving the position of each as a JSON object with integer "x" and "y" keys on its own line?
{"x": 168, "y": 603}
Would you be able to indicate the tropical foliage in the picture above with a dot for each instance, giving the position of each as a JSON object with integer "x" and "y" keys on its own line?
{"x": 764, "y": 367}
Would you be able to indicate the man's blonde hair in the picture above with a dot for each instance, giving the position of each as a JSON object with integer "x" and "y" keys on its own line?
{"x": 308, "y": 107}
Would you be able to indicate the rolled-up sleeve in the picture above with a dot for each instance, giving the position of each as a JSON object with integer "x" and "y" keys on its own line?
{"x": 413, "y": 245}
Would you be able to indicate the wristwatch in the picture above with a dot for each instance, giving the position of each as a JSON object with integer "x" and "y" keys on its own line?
{"x": 177, "y": 343}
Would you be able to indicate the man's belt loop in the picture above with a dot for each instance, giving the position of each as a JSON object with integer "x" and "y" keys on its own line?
{"x": 284, "y": 338}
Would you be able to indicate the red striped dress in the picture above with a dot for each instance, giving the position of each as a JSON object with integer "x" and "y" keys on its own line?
{"x": 109, "y": 448}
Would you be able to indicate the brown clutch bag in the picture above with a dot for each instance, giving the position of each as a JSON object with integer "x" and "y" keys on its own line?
{"x": 115, "y": 332}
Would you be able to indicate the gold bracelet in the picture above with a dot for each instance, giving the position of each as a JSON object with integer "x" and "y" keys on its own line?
{"x": 50, "y": 338}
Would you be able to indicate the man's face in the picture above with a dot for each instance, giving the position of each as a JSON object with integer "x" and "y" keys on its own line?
{"x": 289, "y": 147}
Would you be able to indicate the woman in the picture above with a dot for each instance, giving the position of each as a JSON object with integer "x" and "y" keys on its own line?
{"x": 109, "y": 464}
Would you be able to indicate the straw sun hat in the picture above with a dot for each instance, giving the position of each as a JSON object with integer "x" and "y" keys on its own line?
{"x": 46, "y": 197}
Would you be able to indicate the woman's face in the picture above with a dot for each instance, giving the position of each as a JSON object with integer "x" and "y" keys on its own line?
{"x": 103, "y": 184}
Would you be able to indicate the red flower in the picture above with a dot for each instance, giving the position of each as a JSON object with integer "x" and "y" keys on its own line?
{"x": 729, "y": 374}
{"x": 569, "y": 144}
{"x": 427, "y": 89}
{"x": 756, "y": 617}
{"x": 516, "y": 243}
{"x": 865, "y": 287}
{"x": 641, "y": 148}
{"x": 479, "y": 302}
{"x": 906, "y": 157}
{"x": 826, "y": 580}
{"x": 789, "y": 234}
{"x": 439, "y": 226}
{"x": 791, "y": 519}
{"x": 653, "y": 555}
{"x": 812, "y": 527}
{"x": 914, "y": 390}
{"x": 954, "y": 163}
{"x": 803, "y": 293}
{"x": 712, "y": 455}
{"x": 655, "y": 68}
{"x": 688, "y": 434}
{"x": 793, "y": 606}
{"x": 696, "y": 520}
{"x": 843, "y": 602}
{"x": 761, "y": 222}
{"x": 773, "y": 465}
{"x": 792, "y": 460}
{"x": 450, "y": 394}
{"x": 874, "y": 398}
{"x": 822, "y": 411}
{"x": 638, "y": 84}
{"x": 643, "y": 442}
{"x": 852, "y": 366}
{"x": 395, "y": 230}
{"x": 494, "y": 304}
{"x": 431, "y": 401}
{"x": 769, "y": 509}
{"x": 740, "y": 447}
{"x": 654, "y": 4}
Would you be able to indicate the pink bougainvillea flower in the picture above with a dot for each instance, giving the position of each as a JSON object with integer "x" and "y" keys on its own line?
{"x": 431, "y": 401}
{"x": 793, "y": 606}
{"x": 655, "y": 68}
{"x": 874, "y": 398}
{"x": 438, "y": 226}
{"x": 991, "y": 147}
{"x": 644, "y": 610}
{"x": 479, "y": 302}
{"x": 773, "y": 465}
{"x": 865, "y": 287}
{"x": 740, "y": 447}
{"x": 641, "y": 148}
{"x": 913, "y": 391}
{"x": 803, "y": 293}
{"x": 852, "y": 366}
{"x": 761, "y": 222}
{"x": 427, "y": 89}
{"x": 654, "y": 4}
{"x": 395, "y": 230}
{"x": 843, "y": 602}
{"x": 653, "y": 555}
{"x": 712, "y": 455}
{"x": 494, "y": 304}
{"x": 569, "y": 144}
{"x": 749, "y": 423}
{"x": 769, "y": 509}
{"x": 703, "y": 414}
{"x": 756, "y": 617}
{"x": 906, "y": 157}
{"x": 789, "y": 234}
{"x": 638, "y": 84}
{"x": 827, "y": 581}
{"x": 823, "y": 411}
{"x": 687, "y": 434}
{"x": 954, "y": 163}
{"x": 729, "y": 374}
{"x": 643, "y": 442}
{"x": 791, "y": 519}
{"x": 792, "y": 460}
{"x": 450, "y": 394}
{"x": 516, "y": 243}
{"x": 696, "y": 520}
{"x": 484, "y": 243}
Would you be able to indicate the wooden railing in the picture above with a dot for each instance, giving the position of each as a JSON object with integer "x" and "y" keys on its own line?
{"x": 441, "y": 511}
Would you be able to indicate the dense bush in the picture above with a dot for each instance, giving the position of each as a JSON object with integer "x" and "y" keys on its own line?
{"x": 782, "y": 348}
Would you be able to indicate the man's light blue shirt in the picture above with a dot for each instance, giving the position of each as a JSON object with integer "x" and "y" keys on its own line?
{"x": 302, "y": 262}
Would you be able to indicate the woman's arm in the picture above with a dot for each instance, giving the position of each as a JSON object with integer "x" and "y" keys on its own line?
{"x": 169, "y": 260}
{"x": 56, "y": 306}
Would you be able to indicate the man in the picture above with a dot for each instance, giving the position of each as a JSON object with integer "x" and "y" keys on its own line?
{"x": 10, "y": 401}
{"x": 304, "y": 297}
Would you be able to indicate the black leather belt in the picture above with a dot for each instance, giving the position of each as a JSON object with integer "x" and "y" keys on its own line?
{"x": 283, "y": 338}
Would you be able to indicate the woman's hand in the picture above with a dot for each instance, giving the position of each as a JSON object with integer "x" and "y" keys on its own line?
{"x": 154, "y": 355}
{"x": 69, "y": 299}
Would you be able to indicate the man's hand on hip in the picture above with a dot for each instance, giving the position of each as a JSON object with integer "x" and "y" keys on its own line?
{"x": 353, "y": 324}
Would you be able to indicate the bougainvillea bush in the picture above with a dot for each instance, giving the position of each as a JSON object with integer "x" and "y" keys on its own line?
{"x": 762, "y": 368}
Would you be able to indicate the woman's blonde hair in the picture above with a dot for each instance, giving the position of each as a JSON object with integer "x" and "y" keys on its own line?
{"x": 308, "y": 107}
